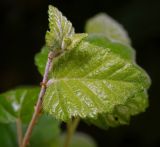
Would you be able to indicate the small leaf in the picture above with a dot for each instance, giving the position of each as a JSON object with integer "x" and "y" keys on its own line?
{"x": 76, "y": 39}
{"x": 41, "y": 59}
{"x": 45, "y": 132}
{"x": 120, "y": 49}
{"x": 104, "y": 24}
{"x": 18, "y": 103}
{"x": 78, "y": 140}
{"x": 91, "y": 80}
{"x": 96, "y": 39}
{"x": 60, "y": 28}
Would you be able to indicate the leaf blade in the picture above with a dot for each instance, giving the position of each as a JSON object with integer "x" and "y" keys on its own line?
{"x": 18, "y": 103}
{"x": 98, "y": 79}
{"x": 60, "y": 28}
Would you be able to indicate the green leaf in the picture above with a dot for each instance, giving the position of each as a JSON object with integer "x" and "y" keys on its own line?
{"x": 60, "y": 28}
{"x": 104, "y": 24}
{"x": 18, "y": 103}
{"x": 78, "y": 140}
{"x": 91, "y": 80}
{"x": 120, "y": 49}
{"x": 46, "y": 132}
{"x": 122, "y": 113}
{"x": 41, "y": 59}
{"x": 76, "y": 39}
{"x": 7, "y": 136}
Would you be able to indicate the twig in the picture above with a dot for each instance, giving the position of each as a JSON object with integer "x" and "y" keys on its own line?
{"x": 19, "y": 131}
{"x": 71, "y": 127}
{"x": 38, "y": 107}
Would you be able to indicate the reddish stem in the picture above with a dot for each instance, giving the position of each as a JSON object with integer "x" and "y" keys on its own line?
{"x": 38, "y": 107}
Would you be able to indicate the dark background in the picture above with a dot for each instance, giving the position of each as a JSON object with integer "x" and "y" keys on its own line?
{"x": 22, "y": 30}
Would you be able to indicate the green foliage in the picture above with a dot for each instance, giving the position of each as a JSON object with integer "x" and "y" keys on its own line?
{"x": 91, "y": 80}
{"x": 78, "y": 140}
{"x": 41, "y": 58}
{"x": 118, "y": 48}
{"x": 46, "y": 132}
{"x": 59, "y": 27}
{"x": 121, "y": 113}
{"x": 95, "y": 77}
{"x": 104, "y": 24}
{"x": 8, "y": 135}
{"x": 61, "y": 35}
{"x": 18, "y": 104}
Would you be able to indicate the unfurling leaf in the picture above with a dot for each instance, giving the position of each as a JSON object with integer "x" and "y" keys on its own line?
{"x": 76, "y": 39}
{"x": 59, "y": 29}
{"x": 91, "y": 80}
{"x": 104, "y": 24}
{"x": 41, "y": 57}
{"x": 18, "y": 104}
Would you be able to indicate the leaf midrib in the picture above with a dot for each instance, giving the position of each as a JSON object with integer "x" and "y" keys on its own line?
{"x": 89, "y": 79}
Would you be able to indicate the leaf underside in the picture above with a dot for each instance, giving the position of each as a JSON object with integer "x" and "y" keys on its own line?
{"x": 104, "y": 24}
{"x": 91, "y": 80}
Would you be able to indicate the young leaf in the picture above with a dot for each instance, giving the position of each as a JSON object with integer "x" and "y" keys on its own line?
{"x": 76, "y": 39}
{"x": 120, "y": 49}
{"x": 60, "y": 28}
{"x": 41, "y": 57}
{"x": 61, "y": 33}
{"x": 91, "y": 80}
{"x": 18, "y": 103}
{"x": 104, "y": 24}
{"x": 78, "y": 140}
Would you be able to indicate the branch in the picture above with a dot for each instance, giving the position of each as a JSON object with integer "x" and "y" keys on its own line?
{"x": 38, "y": 107}
{"x": 19, "y": 131}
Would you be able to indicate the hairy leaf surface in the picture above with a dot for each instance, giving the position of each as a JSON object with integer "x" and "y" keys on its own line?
{"x": 90, "y": 80}
{"x": 60, "y": 28}
{"x": 18, "y": 103}
{"x": 104, "y": 24}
